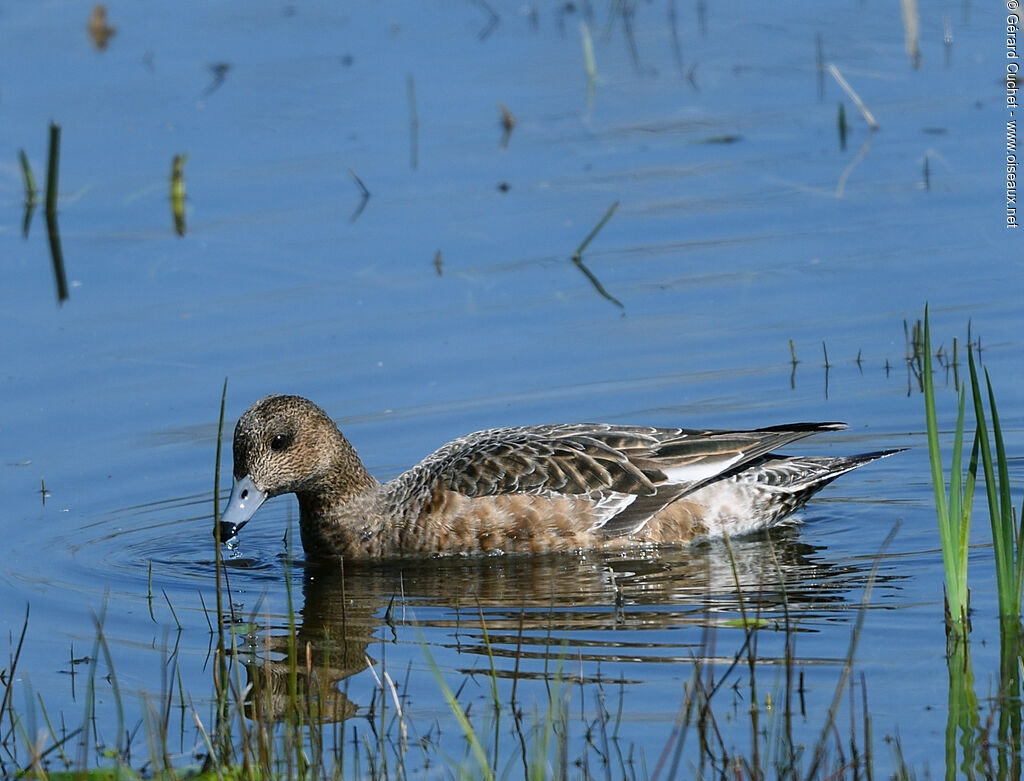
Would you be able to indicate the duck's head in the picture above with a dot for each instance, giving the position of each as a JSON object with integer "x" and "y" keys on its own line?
{"x": 283, "y": 444}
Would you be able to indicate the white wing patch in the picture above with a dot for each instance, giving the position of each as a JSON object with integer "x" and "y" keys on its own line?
{"x": 608, "y": 505}
{"x": 703, "y": 470}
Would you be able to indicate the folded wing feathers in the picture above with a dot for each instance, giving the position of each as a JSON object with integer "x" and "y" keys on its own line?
{"x": 532, "y": 461}
{"x": 657, "y": 465}
{"x": 800, "y": 474}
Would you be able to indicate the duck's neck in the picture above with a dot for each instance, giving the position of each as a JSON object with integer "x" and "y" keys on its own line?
{"x": 341, "y": 500}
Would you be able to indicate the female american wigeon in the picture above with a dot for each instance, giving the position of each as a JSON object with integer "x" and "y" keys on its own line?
{"x": 535, "y": 489}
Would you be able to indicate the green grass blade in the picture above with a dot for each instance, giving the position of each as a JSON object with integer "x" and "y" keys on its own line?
{"x": 178, "y": 193}
{"x": 982, "y": 429}
{"x": 52, "y": 170}
{"x": 1005, "y": 502}
{"x": 972, "y": 480}
{"x": 495, "y": 695}
{"x": 460, "y": 715}
{"x": 959, "y": 518}
{"x": 1019, "y": 570}
{"x": 955, "y": 476}
{"x": 31, "y": 193}
{"x": 1010, "y": 590}
{"x": 953, "y": 530}
{"x": 934, "y": 453}
{"x": 1000, "y": 544}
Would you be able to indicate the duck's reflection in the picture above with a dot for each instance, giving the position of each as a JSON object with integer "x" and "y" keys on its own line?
{"x": 521, "y": 613}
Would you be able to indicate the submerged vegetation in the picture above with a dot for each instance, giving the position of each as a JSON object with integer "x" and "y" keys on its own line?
{"x": 282, "y": 711}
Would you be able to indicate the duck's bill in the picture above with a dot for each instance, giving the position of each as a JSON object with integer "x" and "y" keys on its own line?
{"x": 245, "y": 500}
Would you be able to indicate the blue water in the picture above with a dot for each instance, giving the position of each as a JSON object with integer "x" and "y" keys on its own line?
{"x": 729, "y": 240}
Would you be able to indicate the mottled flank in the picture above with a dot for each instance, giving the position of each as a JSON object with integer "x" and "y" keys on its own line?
{"x": 535, "y": 489}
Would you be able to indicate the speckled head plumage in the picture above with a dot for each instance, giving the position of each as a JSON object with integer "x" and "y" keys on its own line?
{"x": 287, "y": 444}
{"x": 282, "y": 442}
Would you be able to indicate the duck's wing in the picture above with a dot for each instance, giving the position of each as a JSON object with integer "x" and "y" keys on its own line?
{"x": 633, "y": 471}
{"x": 567, "y": 459}
{"x": 693, "y": 459}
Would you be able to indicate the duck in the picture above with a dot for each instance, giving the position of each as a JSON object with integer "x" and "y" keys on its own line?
{"x": 564, "y": 487}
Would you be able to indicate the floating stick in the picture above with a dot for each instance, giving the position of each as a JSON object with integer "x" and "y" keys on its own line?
{"x": 56, "y": 254}
{"x": 868, "y": 116}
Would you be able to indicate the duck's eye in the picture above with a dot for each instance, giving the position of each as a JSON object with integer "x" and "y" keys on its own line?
{"x": 280, "y": 442}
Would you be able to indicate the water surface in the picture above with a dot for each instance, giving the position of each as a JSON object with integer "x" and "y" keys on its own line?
{"x": 730, "y": 239}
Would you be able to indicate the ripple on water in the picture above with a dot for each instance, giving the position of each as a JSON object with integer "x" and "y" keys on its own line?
{"x": 129, "y": 553}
